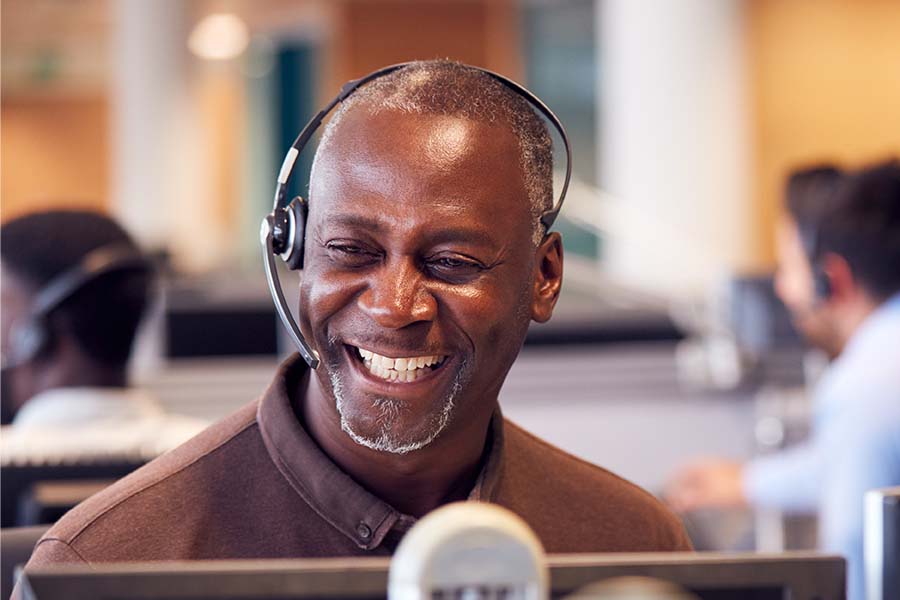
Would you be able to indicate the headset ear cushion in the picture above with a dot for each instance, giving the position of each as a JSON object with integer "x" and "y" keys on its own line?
{"x": 293, "y": 254}
{"x": 28, "y": 339}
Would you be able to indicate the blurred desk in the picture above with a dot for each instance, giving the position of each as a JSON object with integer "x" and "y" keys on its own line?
{"x": 50, "y": 500}
{"x": 622, "y": 406}
{"x": 18, "y": 504}
{"x": 588, "y": 318}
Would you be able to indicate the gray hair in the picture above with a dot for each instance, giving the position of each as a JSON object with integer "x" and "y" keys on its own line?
{"x": 448, "y": 88}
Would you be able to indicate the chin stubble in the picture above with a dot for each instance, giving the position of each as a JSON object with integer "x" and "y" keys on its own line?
{"x": 388, "y": 411}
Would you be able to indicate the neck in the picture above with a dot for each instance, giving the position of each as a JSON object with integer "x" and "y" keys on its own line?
{"x": 413, "y": 483}
{"x": 852, "y": 316}
{"x": 94, "y": 377}
{"x": 69, "y": 367}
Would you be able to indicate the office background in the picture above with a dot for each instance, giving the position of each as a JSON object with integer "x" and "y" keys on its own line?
{"x": 173, "y": 115}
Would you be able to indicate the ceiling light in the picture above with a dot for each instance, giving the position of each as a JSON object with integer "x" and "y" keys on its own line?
{"x": 219, "y": 37}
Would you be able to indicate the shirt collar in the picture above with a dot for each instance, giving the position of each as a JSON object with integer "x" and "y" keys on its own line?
{"x": 875, "y": 333}
{"x": 871, "y": 345}
{"x": 333, "y": 494}
{"x": 73, "y": 406}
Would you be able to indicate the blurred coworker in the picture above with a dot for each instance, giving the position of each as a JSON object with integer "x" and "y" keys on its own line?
{"x": 74, "y": 289}
{"x": 839, "y": 275}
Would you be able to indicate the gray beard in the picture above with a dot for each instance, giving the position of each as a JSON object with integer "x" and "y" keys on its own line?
{"x": 389, "y": 409}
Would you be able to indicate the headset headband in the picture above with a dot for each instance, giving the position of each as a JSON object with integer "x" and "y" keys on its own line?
{"x": 95, "y": 263}
{"x": 287, "y": 166}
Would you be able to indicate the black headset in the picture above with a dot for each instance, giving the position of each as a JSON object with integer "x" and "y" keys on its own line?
{"x": 31, "y": 336}
{"x": 809, "y": 238}
{"x": 283, "y": 230}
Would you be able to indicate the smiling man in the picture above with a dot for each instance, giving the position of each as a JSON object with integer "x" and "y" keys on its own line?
{"x": 425, "y": 260}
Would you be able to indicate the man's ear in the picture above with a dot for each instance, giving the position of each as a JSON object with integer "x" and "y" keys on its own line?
{"x": 841, "y": 282}
{"x": 548, "y": 272}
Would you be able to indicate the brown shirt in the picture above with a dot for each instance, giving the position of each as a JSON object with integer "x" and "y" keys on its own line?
{"x": 255, "y": 485}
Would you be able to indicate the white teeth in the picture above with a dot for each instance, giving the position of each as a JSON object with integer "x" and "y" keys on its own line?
{"x": 397, "y": 369}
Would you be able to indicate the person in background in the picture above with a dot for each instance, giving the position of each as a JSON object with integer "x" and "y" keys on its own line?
{"x": 839, "y": 275}
{"x": 75, "y": 288}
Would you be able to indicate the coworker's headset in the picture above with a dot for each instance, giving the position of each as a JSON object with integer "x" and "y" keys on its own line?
{"x": 809, "y": 238}
{"x": 283, "y": 230}
{"x": 30, "y": 337}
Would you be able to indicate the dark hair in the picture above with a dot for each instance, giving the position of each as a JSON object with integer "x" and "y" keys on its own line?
{"x": 103, "y": 315}
{"x": 808, "y": 192}
{"x": 860, "y": 220}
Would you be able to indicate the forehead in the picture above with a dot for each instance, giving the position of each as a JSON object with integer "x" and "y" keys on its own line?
{"x": 791, "y": 254}
{"x": 421, "y": 163}
{"x": 788, "y": 235}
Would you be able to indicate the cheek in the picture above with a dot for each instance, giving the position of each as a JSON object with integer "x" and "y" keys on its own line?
{"x": 793, "y": 282}
{"x": 321, "y": 296}
{"x": 492, "y": 318}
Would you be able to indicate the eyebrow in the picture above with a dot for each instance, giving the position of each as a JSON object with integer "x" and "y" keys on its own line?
{"x": 358, "y": 221}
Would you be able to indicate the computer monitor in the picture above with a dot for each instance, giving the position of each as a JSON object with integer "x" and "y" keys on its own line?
{"x": 882, "y": 544}
{"x": 790, "y": 576}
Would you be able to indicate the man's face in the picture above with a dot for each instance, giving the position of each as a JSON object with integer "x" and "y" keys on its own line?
{"x": 419, "y": 273}
{"x": 795, "y": 286}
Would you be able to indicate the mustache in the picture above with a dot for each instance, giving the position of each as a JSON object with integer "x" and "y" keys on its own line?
{"x": 373, "y": 342}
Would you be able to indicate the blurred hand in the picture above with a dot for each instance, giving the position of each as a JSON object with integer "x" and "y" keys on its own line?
{"x": 706, "y": 483}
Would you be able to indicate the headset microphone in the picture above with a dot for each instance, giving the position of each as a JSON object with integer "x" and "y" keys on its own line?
{"x": 283, "y": 230}
{"x": 469, "y": 550}
{"x": 273, "y": 234}
{"x": 809, "y": 239}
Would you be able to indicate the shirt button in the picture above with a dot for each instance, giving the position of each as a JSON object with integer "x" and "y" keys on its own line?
{"x": 364, "y": 531}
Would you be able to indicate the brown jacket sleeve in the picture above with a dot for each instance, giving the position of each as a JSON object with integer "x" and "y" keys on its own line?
{"x": 676, "y": 538}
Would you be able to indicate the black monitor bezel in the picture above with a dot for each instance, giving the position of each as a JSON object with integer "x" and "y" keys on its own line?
{"x": 802, "y": 576}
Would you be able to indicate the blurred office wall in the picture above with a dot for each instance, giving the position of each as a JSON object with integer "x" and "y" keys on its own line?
{"x": 103, "y": 104}
{"x": 825, "y": 85}
{"x": 674, "y": 137}
{"x": 55, "y": 138}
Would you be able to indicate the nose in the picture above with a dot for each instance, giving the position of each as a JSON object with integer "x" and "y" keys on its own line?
{"x": 397, "y": 296}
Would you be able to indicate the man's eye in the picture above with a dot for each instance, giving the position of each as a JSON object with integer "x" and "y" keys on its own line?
{"x": 351, "y": 254}
{"x": 454, "y": 268}
{"x": 456, "y": 263}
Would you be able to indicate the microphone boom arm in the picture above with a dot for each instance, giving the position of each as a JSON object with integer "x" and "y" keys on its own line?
{"x": 306, "y": 351}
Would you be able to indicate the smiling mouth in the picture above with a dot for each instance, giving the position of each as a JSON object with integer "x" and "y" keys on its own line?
{"x": 399, "y": 370}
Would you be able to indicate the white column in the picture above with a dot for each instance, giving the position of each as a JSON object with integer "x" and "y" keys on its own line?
{"x": 159, "y": 184}
{"x": 673, "y": 139}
